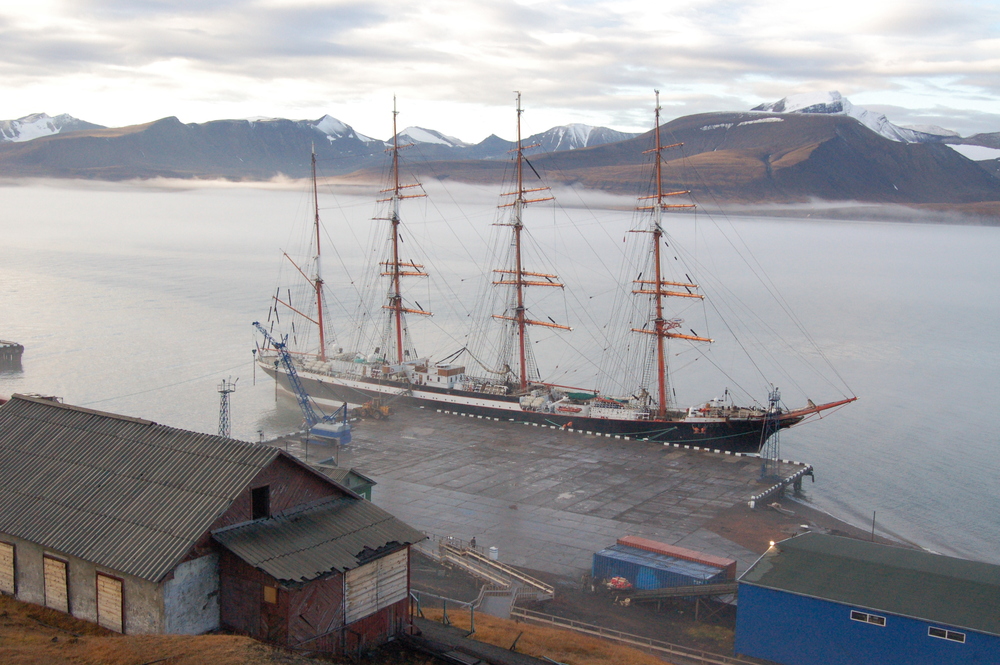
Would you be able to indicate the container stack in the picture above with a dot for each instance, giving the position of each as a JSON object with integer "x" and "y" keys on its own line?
{"x": 647, "y": 564}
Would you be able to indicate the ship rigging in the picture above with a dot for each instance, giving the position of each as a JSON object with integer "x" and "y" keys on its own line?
{"x": 388, "y": 366}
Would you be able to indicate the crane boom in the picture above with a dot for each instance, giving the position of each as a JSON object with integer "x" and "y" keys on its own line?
{"x": 312, "y": 415}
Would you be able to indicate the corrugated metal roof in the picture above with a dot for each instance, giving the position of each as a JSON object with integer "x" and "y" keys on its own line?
{"x": 895, "y": 580}
{"x": 692, "y": 569}
{"x": 351, "y": 478}
{"x": 304, "y": 543}
{"x": 121, "y": 492}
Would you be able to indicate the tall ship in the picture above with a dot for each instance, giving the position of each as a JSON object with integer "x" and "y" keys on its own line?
{"x": 510, "y": 388}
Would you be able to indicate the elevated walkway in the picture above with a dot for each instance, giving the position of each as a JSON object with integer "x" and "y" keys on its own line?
{"x": 505, "y": 585}
{"x": 690, "y": 591}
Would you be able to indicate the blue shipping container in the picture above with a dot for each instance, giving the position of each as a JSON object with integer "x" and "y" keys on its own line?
{"x": 649, "y": 570}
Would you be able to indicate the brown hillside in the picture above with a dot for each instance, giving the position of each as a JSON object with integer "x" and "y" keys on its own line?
{"x": 771, "y": 158}
{"x": 30, "y": 634}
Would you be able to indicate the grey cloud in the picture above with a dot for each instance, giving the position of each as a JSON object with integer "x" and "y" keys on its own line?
{"x": 932, "y": 19}
{"x": 131, "y": 34}
{"x": 335, "y": 51}
{"x": 989, "y": 83}
{"x": 29, "y": 52}
{"x": 135, "y": 9}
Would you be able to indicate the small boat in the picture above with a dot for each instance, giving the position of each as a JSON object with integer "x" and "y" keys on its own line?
{"x": 391, "y": 370}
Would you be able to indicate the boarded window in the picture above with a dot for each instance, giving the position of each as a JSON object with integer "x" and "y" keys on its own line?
{"x": 260, "y": 502}
{"x": 376, "y": 585}
{"x": 7, "y": 568}
{"x": 56, "y": 589}
{"x": 110, "y": 603}
{"x": 270, "y": 594}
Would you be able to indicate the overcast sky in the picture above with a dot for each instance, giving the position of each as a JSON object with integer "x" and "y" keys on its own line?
{"x": 454, "y": 64}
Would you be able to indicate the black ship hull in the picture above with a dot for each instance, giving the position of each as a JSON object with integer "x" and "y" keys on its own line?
{"x": 729, "y": 435}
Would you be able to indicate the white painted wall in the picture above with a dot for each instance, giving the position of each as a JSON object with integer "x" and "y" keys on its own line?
{"x": 191, "y": 597}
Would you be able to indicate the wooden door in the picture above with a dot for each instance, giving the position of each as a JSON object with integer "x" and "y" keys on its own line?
{"x": 110, "y": 603}
{"x": 7, "y": 568}
{"x": 56, "y": 588}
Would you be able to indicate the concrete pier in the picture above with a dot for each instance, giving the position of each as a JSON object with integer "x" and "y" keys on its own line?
{"x": 546, "y": 498}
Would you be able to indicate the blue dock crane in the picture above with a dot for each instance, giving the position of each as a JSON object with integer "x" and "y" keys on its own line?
{"x": 318, "y": 423}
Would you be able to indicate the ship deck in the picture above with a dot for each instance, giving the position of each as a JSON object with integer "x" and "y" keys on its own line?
{"x": 547, "y": 498}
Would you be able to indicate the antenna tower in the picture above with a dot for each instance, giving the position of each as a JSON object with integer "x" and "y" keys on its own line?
{"x": 225, "y": 388}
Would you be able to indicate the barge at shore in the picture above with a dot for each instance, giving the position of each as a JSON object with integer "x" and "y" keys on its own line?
{"x": 10, "y": 353}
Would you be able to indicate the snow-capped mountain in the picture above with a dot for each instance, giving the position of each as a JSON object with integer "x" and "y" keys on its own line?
{"x": 933, "y": 130}
{"x": 328, "y": 126}
{"x": 334, "y": 129}
{"x": 833, "y": 103}
{"x": 37, "y": 125}
{"x": 573, "y": 136}
{"x": 421, "y": 135}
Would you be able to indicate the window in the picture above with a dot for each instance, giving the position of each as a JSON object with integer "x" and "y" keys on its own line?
{"x": 270, "y": 594}
{"x": 260, "y": 502}
{"x": 864, "y": 617}
{"x": 943, "y": 634}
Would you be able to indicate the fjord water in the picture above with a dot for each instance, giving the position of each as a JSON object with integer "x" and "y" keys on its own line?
{"x": 138, "y": 299}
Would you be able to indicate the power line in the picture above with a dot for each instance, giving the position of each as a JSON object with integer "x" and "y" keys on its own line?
{"x": 170, "y": 385}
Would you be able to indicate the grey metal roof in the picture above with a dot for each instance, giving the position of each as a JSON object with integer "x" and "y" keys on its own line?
{"x": 347, "y": 477}
{"x": 894, "y": 580}
{"x": 121, "y": 492}
{"x": 306, "y": 542}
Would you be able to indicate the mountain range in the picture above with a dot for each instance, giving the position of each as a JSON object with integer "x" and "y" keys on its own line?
{"x": 814, "y": 146}
{"x": 37, "y": 125}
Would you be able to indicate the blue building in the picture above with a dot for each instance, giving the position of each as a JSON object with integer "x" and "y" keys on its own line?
{"x": 817, "y": 599}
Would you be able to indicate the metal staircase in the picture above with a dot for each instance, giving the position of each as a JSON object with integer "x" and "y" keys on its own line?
{"x": 505, "y": 585}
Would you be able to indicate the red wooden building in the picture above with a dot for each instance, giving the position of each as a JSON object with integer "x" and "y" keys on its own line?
{"x": 331, "y": 575}
{"x": 150, "y": 529}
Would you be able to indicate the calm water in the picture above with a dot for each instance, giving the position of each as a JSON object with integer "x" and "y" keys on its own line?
{"x": 139, "y": 300}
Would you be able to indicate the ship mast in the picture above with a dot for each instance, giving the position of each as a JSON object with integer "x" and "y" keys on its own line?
{"x": 318, "y": 281}
{"x": 516, "y": 277}
{"x": 396, "y": 269}
{"x": 662, "y": 327}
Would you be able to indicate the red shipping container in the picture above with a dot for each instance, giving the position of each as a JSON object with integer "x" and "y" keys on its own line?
{"x": 729, "y": 565}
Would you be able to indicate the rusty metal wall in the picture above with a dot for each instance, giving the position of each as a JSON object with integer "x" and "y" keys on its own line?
{"x": 377, "y": 628}
{"x": 241, "y": 595}
{"x": 316, "y": 614}
{"x": 311, "y": 617}
{"x": 290, "y": 484}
